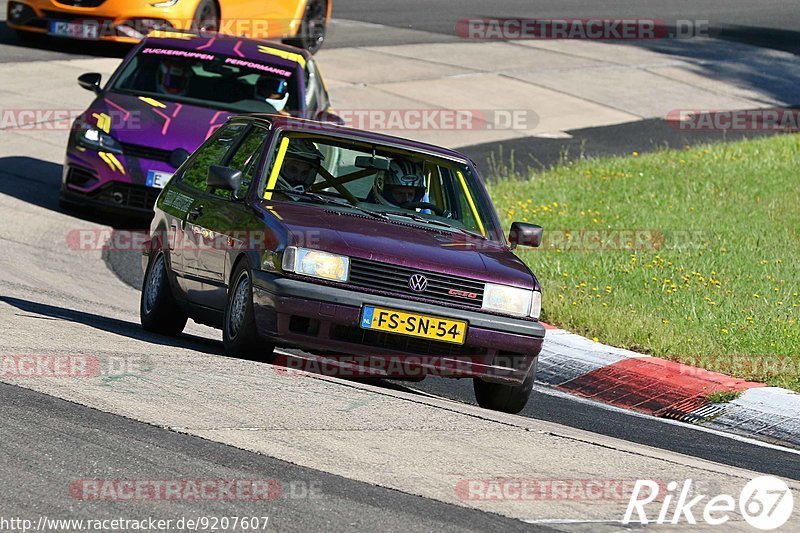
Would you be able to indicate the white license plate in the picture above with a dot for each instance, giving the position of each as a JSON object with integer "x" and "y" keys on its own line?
{"x": 76, "y": 30}
{"x": 158, "y": 179}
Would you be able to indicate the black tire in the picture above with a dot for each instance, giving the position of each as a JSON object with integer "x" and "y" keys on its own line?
{"x": 313, "y": 28}
{"x": 206, "y": 17}
{"x": 240, "y": 337}
{"x": 158, "y": 310}
{"x": 505, "y": 398}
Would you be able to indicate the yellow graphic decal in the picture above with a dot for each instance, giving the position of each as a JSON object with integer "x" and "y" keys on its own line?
{"x": 272, "y": 210}
{"x": 290, "y": 56}
{"x": 276, "y": 168}
{"x": 103, "y": 121}
{"x": 162, "y": 34}
{"x": 112, "y": 162}
{"x": 153, "y": 102}
{"x": 471, "y": 202}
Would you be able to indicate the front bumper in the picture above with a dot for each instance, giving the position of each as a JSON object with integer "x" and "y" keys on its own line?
{"x": 116, "y": 20}
{"x": 320, "y": 317}
{"x": 109, "y": 182}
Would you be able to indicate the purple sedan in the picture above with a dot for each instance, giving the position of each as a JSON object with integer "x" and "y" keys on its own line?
{"x": 171, "y": 93}
{"x": 382, "y": 255}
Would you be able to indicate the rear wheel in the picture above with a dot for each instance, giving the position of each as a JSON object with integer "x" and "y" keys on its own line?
{"x": 158, "y": 310}
{"x": 240, "y": 337}
{"x": 501, "y": 397}
{"x": 313, "y": 27}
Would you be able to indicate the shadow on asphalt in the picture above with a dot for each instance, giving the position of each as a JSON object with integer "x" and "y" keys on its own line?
{"x": 38, "y": 182}
{"x": 65, "y": 46}
{"x": 504, "y": 158}
{"x": 190, "y": 342}
{"x": 112, "y": 325}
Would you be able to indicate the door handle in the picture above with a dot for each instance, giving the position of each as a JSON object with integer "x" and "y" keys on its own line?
{"x": 195, "y": 212}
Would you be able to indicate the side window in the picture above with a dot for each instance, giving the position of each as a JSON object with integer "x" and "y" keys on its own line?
{"x": 246, "y": 159}
{"x": 209, "y": 154}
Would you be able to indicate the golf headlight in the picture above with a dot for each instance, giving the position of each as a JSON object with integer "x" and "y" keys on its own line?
{"x": 316, "y": 264}
{"x": 91, "y": 137}
{"x": 512, "y": 300}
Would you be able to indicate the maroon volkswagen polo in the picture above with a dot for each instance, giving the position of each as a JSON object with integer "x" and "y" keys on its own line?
{"x": 363, "y": 248}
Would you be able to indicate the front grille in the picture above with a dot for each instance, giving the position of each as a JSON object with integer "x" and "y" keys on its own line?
{"x": 393, "y": 278}
{"x": 401, "y": 343}
{"x": 128, "y": 195}
{"x": 69, "y": 17}
{"x": 146, "y": 152}
{"x": 80, "y": 3}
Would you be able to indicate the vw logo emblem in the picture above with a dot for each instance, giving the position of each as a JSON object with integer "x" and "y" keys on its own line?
{"x": 418, "y": 283}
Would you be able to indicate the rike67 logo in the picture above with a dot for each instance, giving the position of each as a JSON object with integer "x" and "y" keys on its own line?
{"x": 765, "y": 503}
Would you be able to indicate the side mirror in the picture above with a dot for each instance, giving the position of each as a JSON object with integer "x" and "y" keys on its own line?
{"x": 90, "y": 81}
{"x": 525, "y": 234}
{"x": 378, "y": 163}
{"x": 225, "y": 178}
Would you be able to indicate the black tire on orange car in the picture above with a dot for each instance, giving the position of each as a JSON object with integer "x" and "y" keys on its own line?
{"x": 501, "y": 397}
{"x": 240, "y": 337}
{"x": 206, "y": 17}
{"x": 158, "y": 310}
{"x": 313, "y": 27}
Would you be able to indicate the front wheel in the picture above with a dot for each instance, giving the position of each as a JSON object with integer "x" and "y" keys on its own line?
{"x": 240, "y": 337}
{"x": 313, "y": 27}
{"x": 501, "y": 397}
{"x": 158, "y": 310}
{"x": 206, "y": 17}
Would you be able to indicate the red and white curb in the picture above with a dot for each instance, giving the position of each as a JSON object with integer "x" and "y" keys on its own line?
{"x": 667, "y": 389}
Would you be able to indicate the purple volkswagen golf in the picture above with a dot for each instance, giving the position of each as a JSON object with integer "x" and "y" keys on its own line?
{"x": 365, "y": 249}
{"x": 168, "y": 96}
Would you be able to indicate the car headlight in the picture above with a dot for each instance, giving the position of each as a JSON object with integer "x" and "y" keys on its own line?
{"x": 167, "y": 3}
{"x": 512, "y": 300}
{"x": 91, "y": 137}
{"x": 315, "y": 263}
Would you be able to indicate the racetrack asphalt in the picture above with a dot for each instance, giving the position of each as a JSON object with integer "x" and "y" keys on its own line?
{"x": 50, "y": 444}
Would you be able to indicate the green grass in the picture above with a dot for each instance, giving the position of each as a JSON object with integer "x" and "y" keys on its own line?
{"x": 721, "y": 288}
{"x": 723, "y": 396}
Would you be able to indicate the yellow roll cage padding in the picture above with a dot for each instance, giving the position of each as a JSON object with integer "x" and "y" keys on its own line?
{"x": 276, "y": 168}
{"x": 471, "y": 202}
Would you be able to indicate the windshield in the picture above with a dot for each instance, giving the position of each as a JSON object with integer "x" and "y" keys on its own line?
{"x": 381, "y": 180}
{"x": 209, "y": 80}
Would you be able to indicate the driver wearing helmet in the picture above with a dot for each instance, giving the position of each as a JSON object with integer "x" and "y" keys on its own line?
{"x": 300, "y": 165}
{"x": 173, "y": 77}
{"x": 274, "y": 91}
{"x": 402, "y": 184}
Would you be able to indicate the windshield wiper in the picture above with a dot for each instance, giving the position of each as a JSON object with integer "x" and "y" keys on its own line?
{"x": 434, "y": 222}
{"x": 329, "y": 201}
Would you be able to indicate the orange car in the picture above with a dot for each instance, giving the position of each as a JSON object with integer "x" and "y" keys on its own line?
{"x": 301, "y": 23}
